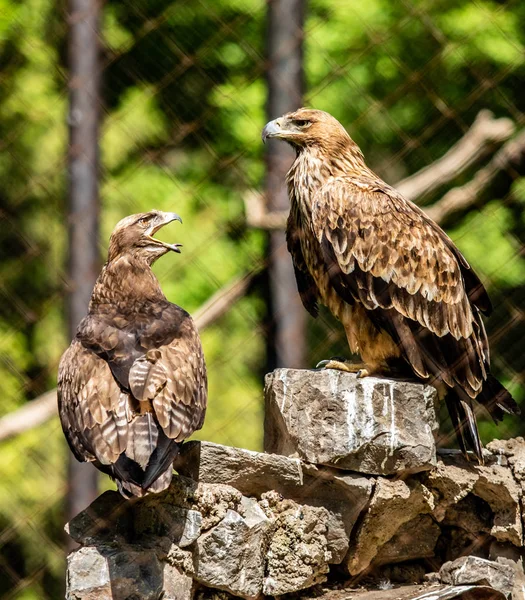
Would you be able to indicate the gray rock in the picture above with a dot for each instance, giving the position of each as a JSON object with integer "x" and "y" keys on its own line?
{"x": 177, "y": 585}
{"x": 508, "y": 554}
{"x": 252, "y": 473}
{"x": 474, "y": 570}
{"x": 231, "y": 555}
{"x": 158, "y": 518}
{"x": 369, "y": 425}
{"x": 298, "y": 554}
{"x": 106, "y": 573}
{"x": 393, "y": 504}
{"x": 87, "y": 576}
{"x": 344, "y": 495}
{"x": 413, "y": 540}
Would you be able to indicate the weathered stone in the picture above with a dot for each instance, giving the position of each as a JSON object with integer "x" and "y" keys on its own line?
{"x": 474, "y": 570}
{"x": 177, "y": 585}
{"x": 214, "y": 502}
{"x": 159, "y": 518}
{"x": 413, "y": 540}
{"x": 108, "y": 518}
{"x": 454, "y": 479}
{"x": 369, "y": 425}
{"x": 252, "y": 473}
{"x": 87, "y": 575}
{"x": 298, "y": 554}
{"x": 106, "y": 573}
{"x": 230, "y": 556}
{"x": 509, "y": 555}
{"x": 344, "y": 495}
{"x": 393, "y": 504}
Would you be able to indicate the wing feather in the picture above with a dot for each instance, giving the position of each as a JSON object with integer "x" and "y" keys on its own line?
{"x": 408, "y": 274}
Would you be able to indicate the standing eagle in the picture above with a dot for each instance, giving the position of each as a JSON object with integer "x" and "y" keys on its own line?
{"x": 132, "y": 385}
{"x": 404, "y": 293}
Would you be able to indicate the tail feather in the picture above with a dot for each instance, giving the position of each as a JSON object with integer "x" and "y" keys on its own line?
{"x": 465, "y": 426}
{"x": 493, "y": 397}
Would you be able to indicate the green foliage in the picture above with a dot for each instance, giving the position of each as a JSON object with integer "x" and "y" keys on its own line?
{"x": 184, "y": 104}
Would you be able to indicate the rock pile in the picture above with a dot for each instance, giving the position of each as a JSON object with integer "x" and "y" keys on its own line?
{"x": 356, "y": 492}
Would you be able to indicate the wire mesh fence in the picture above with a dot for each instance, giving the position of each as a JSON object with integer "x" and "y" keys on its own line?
{"x": 433, "y": 88}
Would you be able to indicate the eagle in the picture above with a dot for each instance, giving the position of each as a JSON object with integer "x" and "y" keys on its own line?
{"x": 132, "y": 385}
{"x": 407, "y": 298}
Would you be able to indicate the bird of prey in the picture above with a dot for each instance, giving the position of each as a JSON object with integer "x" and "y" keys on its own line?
{"x": 406, "y": 296}
{"x": 132, "y": 385}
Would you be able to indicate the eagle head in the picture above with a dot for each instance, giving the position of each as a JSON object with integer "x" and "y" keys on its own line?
{"x": 307, "y": 127}
{"x": 134, "y": 235}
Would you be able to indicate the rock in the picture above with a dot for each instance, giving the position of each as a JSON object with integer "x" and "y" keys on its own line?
{"x": 298, "y": 555}
{"x": 413, "y": 540}
{"x": 508, "y": 554}
{"x": 214, "y": 502}
{"x": 159, "y": 518}
{"x": 108, "y": 517}
{"x": 87, "y": 576}
{"x": 393, "y": 504}
{"x": 473, "y": 570}
{"x": 177, "y": 585}
{"x": 106, "y": 573}
{"x": 231, "y": 555}
{"x": 344, "y": 495}
{"x": 454, "y": 479}
{"x": 369, "y": 425}
{"x": 252, "y": 473}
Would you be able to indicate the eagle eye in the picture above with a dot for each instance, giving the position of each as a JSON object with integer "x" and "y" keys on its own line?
{"x": 302, "y": 122}
{"x": 143, "y": 220}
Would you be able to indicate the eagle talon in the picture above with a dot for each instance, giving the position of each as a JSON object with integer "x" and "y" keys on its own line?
{"x": 362, "y": 373}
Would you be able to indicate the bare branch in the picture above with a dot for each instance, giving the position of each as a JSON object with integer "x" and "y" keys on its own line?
{"x": 460, "y": 198}
{"x": 43, "y": 408}
{"x": 484, "y": 132}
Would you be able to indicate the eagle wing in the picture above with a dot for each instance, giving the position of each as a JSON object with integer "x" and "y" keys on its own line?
{"x": 306, "y": 285}
{"x": 382, "y": 251}
{"x": 173, "y": 378}
{"x": 91, "y": 405}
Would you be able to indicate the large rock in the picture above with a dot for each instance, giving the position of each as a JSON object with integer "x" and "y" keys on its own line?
{"x": 393, "y": 504}
{"x": 344, "y": 495}
{"x": 231, "y": 555}
{"x": 106, "y": 573}
{"x": 369, "y": 425}
{"x": 474, "y": 570}
{"x": 252, "y": 473}
{"x": 298, "y": 554}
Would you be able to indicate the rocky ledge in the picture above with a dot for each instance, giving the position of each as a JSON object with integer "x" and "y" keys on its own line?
{"x": 249, "y": 524}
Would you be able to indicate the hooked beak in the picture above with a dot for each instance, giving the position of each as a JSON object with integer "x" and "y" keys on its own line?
{"x": 163, "y": 219}
{"x": 271, "y": 130}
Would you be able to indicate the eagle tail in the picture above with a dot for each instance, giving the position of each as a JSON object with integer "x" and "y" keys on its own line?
{"x": 497, "y": 399}
{"x": 146, "y": 464}
{"x": 465, "y": 426}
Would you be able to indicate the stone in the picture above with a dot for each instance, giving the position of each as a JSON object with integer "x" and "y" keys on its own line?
{"x": 454, "y": 479}
{"x": 508, "y": 554}
{"x": 158, "y": 518}
{"x": 87, "y": 575}
{"x": 108, "y": 517}
{"x": 214, "y": 502}
{"x": 252, "y": 473}
{"x": 231, "y": 555}
{"x": 413, "y": 540}
{"x": 344, "y": 495}
{"x": 393, "y": 504}
{"x": 474, "y": 570}
{"x": 298, "y": 555}
{"x": 177, "y": 585}
{"x": 369, "y": 425}
{"x": 107, "y": 573}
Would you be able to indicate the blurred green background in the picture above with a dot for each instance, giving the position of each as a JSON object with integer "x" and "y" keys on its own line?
{"x": 184, "y": 103}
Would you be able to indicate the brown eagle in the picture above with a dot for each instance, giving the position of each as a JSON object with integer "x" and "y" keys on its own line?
{"x": 132, "y": 385}
{"x": 404, "y": 293}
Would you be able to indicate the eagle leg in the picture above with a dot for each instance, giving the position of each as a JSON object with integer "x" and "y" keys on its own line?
{"x": 340, "y": 364}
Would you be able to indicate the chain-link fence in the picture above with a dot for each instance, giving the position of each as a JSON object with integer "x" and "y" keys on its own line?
{"x": 431, "y": 91}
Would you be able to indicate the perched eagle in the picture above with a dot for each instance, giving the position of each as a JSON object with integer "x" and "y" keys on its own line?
{"x": 404, "y": 293}
{"x": 133, "y": 384}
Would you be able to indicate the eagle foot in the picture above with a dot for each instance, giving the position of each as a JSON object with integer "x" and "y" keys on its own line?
{"x": 340, "y": 364}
